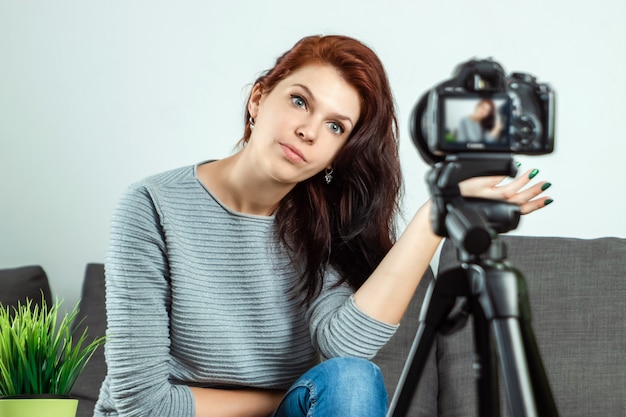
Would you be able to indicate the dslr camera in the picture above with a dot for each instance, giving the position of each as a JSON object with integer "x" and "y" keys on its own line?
{"x": 482, "y": 110}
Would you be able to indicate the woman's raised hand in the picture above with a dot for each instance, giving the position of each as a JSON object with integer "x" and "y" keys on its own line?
{"x": 516, "y": 191}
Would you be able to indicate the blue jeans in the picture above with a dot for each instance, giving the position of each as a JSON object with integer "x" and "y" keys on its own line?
{"x": 339, "y": 387}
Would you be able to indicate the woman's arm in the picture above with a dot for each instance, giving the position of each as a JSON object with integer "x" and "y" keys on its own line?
{"x": 387, "y": 293}
{"x": 235, "y": 403}
{"x": 137, "y": 299}
{"x": 494, "y": 133}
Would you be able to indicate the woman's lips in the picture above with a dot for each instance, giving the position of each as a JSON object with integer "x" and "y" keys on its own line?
{"x": 293, "y": 154}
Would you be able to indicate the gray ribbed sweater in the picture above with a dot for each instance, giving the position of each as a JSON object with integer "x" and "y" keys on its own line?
{"x": 199, "y": 295}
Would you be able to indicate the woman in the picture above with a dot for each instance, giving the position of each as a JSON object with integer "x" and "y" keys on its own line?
{"x": 229, "y": 281}
{"x": 482, "y": 125}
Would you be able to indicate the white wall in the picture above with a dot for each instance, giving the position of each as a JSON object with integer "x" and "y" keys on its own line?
{"x": 95, "y": 95}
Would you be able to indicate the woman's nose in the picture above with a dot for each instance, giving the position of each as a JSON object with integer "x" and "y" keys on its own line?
{"x": 307, "y": 131}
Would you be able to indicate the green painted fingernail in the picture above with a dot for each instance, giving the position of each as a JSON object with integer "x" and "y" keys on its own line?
{"x": 518, "y": 164}
{"x": 533, "y": 173}
{"x": 548, "y": 201}
{"x": 546, "y": 186}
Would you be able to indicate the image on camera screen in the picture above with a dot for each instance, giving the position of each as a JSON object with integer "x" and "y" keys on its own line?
{"x": 475, "y": 122}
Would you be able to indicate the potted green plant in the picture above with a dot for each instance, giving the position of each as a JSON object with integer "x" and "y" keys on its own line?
{"x": 40, "y": 360}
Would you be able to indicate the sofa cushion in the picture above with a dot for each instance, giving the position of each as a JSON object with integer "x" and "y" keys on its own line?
{"x": 577, "y": 292}
{"x": 17, "y": 284}
{"x": 392, "y": 357}
{"x": 92, "y": 309}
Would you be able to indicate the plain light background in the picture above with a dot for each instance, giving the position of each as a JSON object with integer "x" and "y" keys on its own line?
{"x": 95, "y": 95}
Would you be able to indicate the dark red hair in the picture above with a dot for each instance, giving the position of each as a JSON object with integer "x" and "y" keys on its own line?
{"x": 349, "y": 224}
{"x": 489, "y": 121}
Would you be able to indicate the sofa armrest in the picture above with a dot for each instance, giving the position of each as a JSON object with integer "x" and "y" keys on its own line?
{"x": 577, "y": 290}
{"x": 92, "y": 315}
{"x": 17, "y": 284}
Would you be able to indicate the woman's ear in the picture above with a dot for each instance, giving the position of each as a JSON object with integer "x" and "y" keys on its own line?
{"x": 255, "y": 100}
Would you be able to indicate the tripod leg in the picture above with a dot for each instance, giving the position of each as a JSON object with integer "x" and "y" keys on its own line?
{"x": 412, "y": 371}
{"x": 541, "y": 386}
{"x": 439, "y": 301}
{"x": 485, "y": 366}
{"x": 504, "y": 300}
{"x": 532, "y": 377}
{"x": 515, "y": 367}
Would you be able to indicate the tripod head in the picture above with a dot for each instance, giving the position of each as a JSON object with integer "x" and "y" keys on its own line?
{"x": 471, "y": 223}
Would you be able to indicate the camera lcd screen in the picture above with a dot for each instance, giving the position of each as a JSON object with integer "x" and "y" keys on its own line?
{"x": 474, "y": 123}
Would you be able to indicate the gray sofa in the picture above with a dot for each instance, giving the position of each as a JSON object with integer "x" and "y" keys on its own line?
{"x": 577, "y": 293}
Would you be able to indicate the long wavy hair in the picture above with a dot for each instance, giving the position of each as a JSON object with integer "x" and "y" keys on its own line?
{"x": 489, "y": 121}
{"x": 349, "y": 224}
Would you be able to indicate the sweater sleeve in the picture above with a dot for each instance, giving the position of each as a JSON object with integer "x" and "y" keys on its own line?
{"x": 464, "y": 133}
{"x": 339, "y": 328}
{"x": 137, "y": 300}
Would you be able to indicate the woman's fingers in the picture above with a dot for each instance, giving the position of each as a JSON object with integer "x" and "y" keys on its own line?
{"x": 516, "y": 191}
{"x": 524, "y": 195}
{"x": 482, "y": 187}
{"x": 533, "y": 205}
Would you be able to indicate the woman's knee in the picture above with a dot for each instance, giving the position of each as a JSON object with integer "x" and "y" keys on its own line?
{"x": 338, "y": 387}
{"x": 355, "y": 384}
{"x": 349, "y": 371}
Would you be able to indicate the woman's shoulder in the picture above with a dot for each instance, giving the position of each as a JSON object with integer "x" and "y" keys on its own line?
{"x": 174, "y": 182}
{"x": 180, "y": 179}
{"x": 167, "y": 178}
{"x": 157, "y": 194}
{"x": 465, "y": 120}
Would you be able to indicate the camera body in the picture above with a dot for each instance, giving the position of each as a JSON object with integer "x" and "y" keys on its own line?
{"x": 481, "y": 109}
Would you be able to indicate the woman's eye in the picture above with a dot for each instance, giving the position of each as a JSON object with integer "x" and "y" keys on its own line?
{"x": 298, "y": 101}
{"x": 336, "y": 128}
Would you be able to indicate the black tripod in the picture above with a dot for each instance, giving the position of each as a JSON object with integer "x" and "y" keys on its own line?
{"x": 485, "y": 287}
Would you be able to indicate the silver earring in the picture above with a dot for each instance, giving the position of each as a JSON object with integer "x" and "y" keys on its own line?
{"x": 328, "y": 175}
{"x": 251, "y": 121}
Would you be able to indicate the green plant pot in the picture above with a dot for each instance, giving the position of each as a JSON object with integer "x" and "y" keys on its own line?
{"x": 40, "y": 407}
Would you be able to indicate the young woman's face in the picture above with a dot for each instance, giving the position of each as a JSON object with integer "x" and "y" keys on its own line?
{"x": 301, "y": 124}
